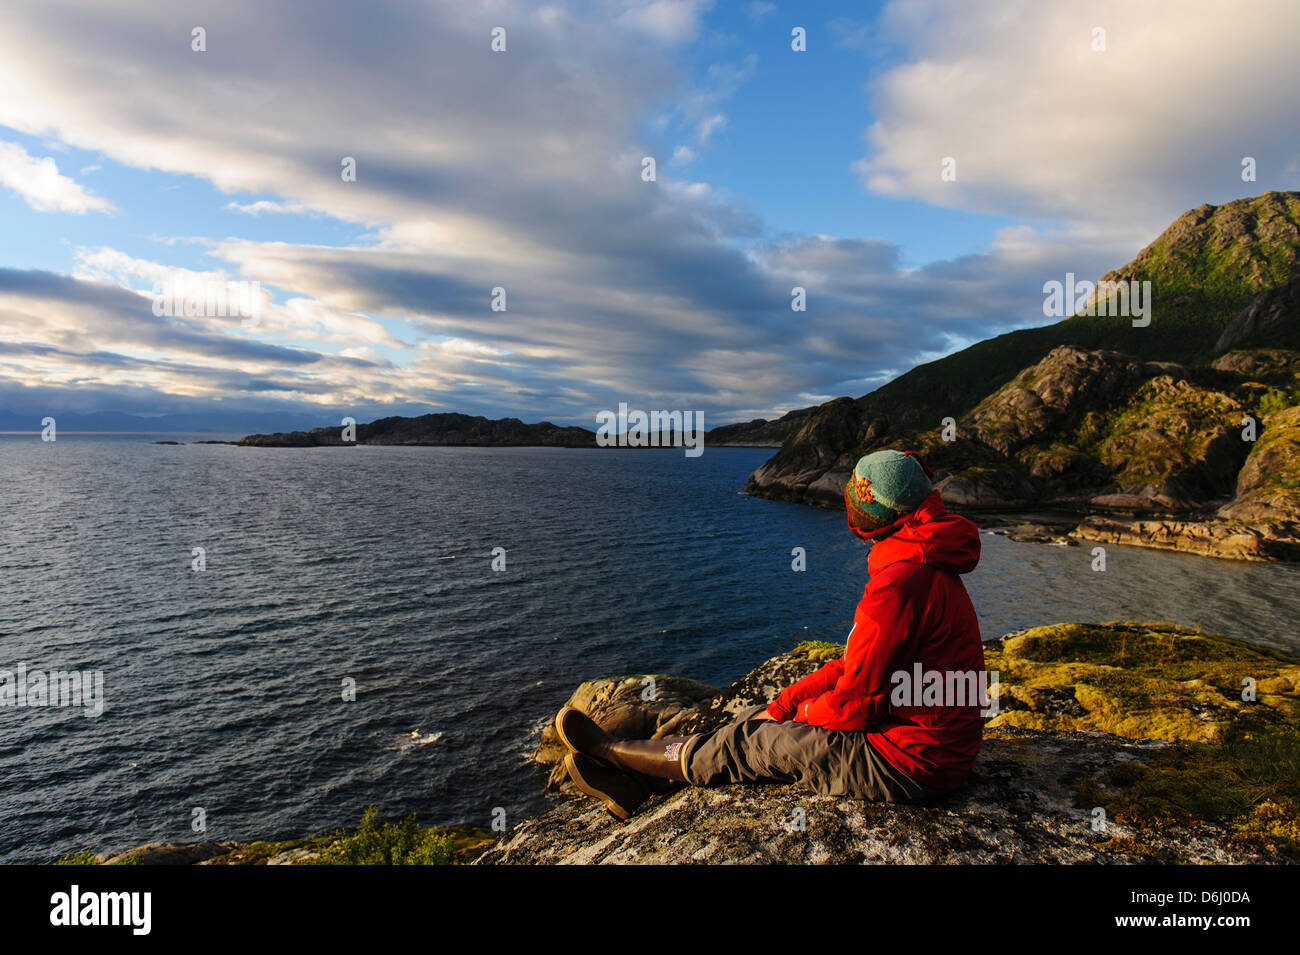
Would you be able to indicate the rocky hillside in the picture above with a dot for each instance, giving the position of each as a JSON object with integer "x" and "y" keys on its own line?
{"x": 759, "y": 433}
{"x": 1114, "y": 422}
{"x": 1114, "y": 743}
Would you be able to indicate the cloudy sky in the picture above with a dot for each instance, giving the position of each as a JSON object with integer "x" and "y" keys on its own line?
{"x": 129, "y": 159}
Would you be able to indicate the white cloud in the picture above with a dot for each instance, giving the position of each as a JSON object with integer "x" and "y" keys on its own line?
{"x": 42, "y": 186}
{"x": 1041, "y": 125}
{"x": 267, "y": 207}
{"x": 298, "y": 320}
{"x": 522, "y": 170}
{"x": 703, "y": 107}
{"x": 673, "y": 21}
{"x": 706, "y": 127}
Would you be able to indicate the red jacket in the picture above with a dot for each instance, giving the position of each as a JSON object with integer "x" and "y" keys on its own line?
{"x": 914, "y": 609}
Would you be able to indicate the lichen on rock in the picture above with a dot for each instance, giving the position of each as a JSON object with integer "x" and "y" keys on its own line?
{"x": 1020, "y": 805}
{"x": 1101, "y": 750}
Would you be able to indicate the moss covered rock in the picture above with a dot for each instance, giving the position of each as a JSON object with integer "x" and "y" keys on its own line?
{"x": 1101, "y": 755}
{"x": 1152, "y": 681}
{"x": 1053, "y": 394}
{"x": 1176, "y": 441}
{"x": 1268, "y": 487}
{"x": 1022, "y": 804}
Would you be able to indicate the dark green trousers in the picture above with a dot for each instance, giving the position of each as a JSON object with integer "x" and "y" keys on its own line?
{"x": 830, "y": 762}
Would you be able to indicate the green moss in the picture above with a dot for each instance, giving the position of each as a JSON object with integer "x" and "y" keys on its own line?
{"x": 1274, "y": 460}
{"x": 1249, "y": 783}
{"x": 1276, "y": 400}
{"x": 1275, "y": 821}
{"x": 820, "y": 650}
{"x": 1063, "y": 463}
{"x": 86, "y": 857}
{"x": 1168, "y": 430}
{"x": 1148, "y": 680}
{"x": 256, "y": 853}
{"x": 467, "y": 843}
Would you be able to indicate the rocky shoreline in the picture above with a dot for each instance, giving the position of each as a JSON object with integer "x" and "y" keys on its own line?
{"x": 1113, "y": 743}
{"x": 1019, "y": 806}
{"x": 1087, "y": 713}
{"x": 1236, "y": 540}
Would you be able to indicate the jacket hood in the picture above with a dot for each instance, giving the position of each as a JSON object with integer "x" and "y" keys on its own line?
{"x": 928, "y": 535}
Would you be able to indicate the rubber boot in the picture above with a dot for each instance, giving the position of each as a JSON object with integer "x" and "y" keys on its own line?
{"x": 622, "y": 793}
{"x": 581, "y": 734}
{"x": 659, "y": 758}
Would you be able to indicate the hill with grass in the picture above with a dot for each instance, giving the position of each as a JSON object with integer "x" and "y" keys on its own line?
{"x": 1098, "y": 416}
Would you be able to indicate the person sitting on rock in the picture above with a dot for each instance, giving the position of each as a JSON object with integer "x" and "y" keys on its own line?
{"x": 843, "y": 730}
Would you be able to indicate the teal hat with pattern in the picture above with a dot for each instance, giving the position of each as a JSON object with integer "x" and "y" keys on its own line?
{"x": 883, "y": 487}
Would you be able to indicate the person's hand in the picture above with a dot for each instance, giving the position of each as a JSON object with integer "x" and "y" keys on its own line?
{"x": 763, "y": 715}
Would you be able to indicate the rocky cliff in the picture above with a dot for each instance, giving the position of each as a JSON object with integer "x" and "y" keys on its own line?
{"x": 1114, "y": 743}
{"x": 1112, "y": 422}
{"x": 1019, "y": 806}
{"x": 759, "y": 433}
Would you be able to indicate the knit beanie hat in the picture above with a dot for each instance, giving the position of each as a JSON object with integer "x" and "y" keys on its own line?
{"x": 883, "y": 487}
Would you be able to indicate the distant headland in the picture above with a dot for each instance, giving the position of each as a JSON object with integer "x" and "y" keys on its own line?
{"x": 451, "y": 429}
